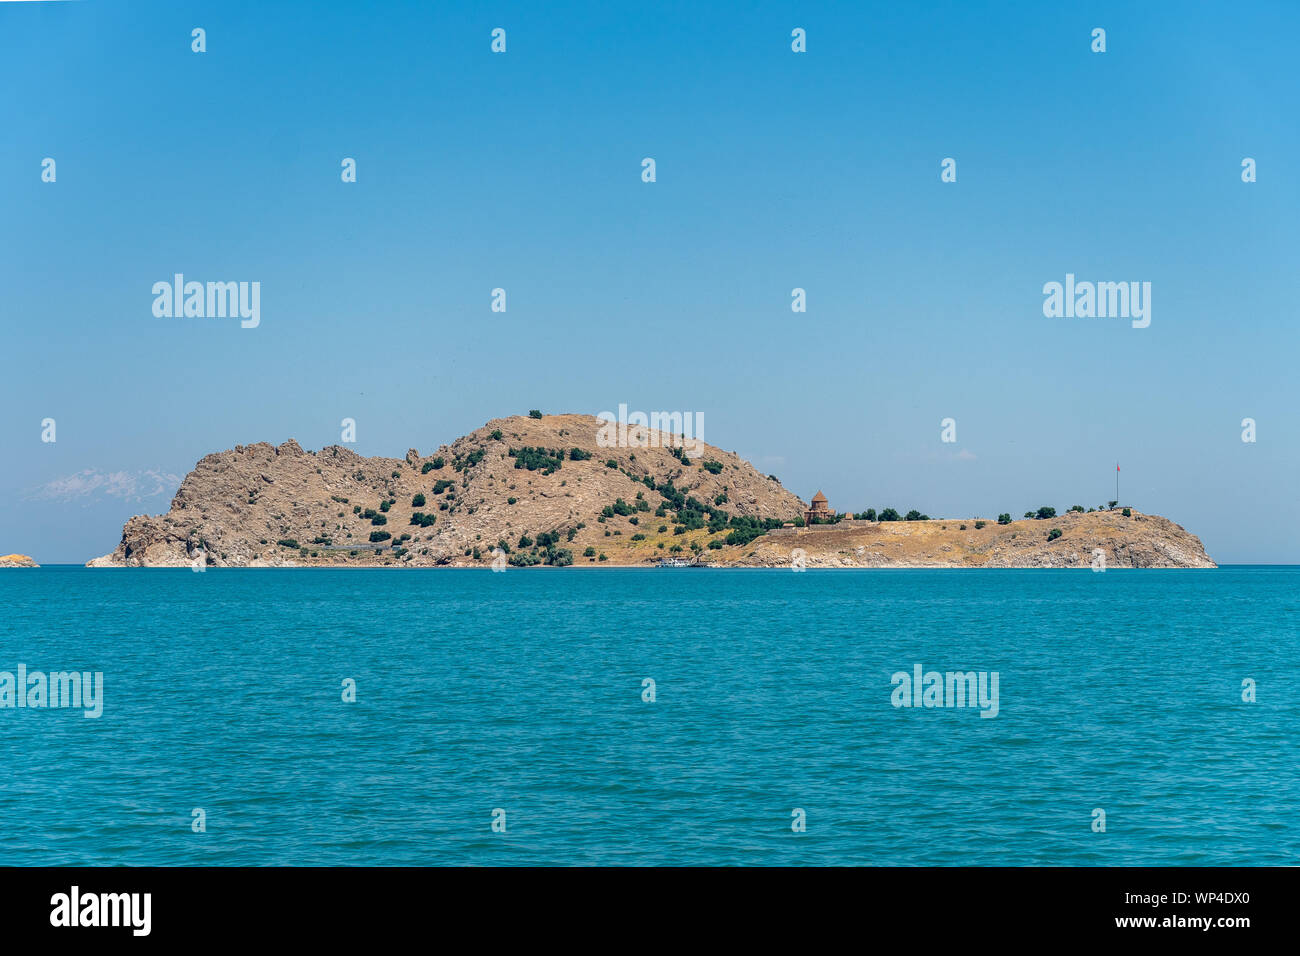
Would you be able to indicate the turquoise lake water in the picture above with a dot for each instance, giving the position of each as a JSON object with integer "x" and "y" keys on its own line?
{"x": 523, "y": 691}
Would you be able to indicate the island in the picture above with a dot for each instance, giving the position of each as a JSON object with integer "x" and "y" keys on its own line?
{"x": 556, "y": 491}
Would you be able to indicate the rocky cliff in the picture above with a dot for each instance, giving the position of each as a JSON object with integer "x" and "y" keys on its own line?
{"x": 514, "y": 484}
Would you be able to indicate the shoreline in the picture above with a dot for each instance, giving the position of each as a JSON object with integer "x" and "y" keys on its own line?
{"x": 648, "y": 567}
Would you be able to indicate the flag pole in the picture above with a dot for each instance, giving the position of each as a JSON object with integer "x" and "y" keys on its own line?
{"x": 1116, "y": 484}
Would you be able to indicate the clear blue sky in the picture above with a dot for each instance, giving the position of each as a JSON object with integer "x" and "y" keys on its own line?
{"x": 775, "y": 170}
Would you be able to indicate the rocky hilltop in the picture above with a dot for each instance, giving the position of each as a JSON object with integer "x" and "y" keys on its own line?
{"x": 541, "y": 490}
{"x": 544, "y": 490}
{"x": 17, "y": 561}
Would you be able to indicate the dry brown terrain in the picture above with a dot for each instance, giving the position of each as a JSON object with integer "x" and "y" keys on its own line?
{"x": 267, "y": 506}
{"x": 1139, "y": 541}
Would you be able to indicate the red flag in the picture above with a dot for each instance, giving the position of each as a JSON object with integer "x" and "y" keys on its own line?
{"x": 1117, "y": 466}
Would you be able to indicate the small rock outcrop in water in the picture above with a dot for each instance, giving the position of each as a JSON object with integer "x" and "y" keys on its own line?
{"x": 529, "y": 490}
{"x": 17, "y": 561}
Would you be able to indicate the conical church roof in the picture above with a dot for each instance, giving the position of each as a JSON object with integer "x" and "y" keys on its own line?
{"x": 819, "y": 497}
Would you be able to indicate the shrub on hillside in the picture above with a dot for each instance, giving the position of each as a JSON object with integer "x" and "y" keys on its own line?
{"x": 745, "y": 529}
{"x": 537, "y": 458}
